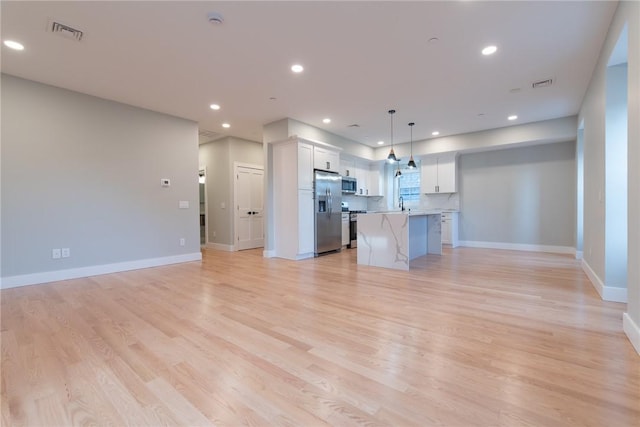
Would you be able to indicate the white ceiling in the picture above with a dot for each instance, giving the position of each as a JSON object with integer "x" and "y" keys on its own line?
{"x": 361, "y": 59}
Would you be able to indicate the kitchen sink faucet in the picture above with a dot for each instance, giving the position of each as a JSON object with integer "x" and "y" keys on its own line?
{"x": 401, "y": 203}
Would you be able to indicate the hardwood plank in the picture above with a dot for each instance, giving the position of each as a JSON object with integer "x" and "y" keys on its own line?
{"x": 474, "y": 337}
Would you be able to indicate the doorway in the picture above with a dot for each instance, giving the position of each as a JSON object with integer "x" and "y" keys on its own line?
{"x": 202, "y": 181}
{"x": 249, "y": 212}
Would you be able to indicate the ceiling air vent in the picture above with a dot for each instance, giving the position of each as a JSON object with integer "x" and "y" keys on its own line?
{"x": 65, "y": 31}
{"x": 542, "y": 83}
{"x": 355, "y": 125}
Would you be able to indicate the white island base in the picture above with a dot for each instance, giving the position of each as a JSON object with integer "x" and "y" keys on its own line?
{"x": 393, "y": 239}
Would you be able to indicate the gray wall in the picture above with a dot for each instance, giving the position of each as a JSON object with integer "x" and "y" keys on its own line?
{"x": 218, "y": 157}
{"x": 519, "y": 195}
{"x": 84, "y": 173}
{"x": 593, "y": 114}
{"x": 616, "y": 177}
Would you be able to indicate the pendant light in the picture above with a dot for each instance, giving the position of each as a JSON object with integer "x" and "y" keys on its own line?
{"x": 412, "y": 163}
{"x": 392, "y": 156}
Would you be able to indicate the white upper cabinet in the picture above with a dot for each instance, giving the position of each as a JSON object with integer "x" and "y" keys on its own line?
{"x": 347, "y": 167}
{"x": 362, "y": 176}
{"x": 439, "y": 174}
{"x": 326, "y": 159}
{"x": 375, "y": 188}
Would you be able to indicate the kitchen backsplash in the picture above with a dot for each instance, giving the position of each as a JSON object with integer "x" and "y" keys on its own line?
{"x": 356, "y": 203}
{"x": 433, "y": 201}
{"x": 440, "y": 201}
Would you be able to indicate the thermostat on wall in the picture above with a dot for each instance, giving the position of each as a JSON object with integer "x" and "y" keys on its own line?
{"x": 165, "y": 182}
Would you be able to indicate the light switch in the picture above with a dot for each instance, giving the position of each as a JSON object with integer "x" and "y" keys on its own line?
{"x": 183, "y": 204}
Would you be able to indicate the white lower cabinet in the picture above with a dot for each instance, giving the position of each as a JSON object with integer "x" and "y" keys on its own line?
{"x": 450, "y": 228}
{"x": 345, "y": 229}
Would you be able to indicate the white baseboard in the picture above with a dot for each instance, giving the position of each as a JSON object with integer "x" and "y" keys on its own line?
{"x": 632, "y": 330}
{"x": 607, "y": 293}
{"x": 268, "y": 253}
{"x": 518, "y": 247}
{"x": 94, "y": 270}
{"x": 220, "y": 247}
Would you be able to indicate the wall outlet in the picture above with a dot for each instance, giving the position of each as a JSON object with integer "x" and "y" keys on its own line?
{"x": 183, "y": 204}
{"x": 66, "y": 252}
{"x": 165, "y": 182}
{"x": 55, "y": 253}
{"x": 214, "y": 234}
{"x": 223, "y": 205}
{"x": 182, "y": 241}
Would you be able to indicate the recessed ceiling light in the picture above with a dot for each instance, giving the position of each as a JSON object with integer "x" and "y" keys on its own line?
{"x": 226, "y": 125}
{"x": 214, "y": 106}
{"x": 327, "y": 120}
{"x": 512, "y": 117}
{"x": 380, "y": 142}
{"x": 435, "y": 133}
{"x": 13, "y": 45}
{"x": 215, "y": 18}
{"x": 489, "y": 50}
{"x": 297, "y": 68}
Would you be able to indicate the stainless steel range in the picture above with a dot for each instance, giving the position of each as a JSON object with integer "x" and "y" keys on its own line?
{"x": 353, "y": 228}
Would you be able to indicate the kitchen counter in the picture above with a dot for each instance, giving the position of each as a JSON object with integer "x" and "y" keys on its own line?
{"x": 393, "y": 239}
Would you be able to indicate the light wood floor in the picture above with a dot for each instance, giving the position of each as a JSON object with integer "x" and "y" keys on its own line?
{"x": 475, "y": 337}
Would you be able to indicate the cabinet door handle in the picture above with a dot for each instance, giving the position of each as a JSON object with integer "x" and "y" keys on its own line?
{"x": 328, "y": 165}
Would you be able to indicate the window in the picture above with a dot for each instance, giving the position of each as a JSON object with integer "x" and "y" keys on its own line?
{"x": 407, "y": 185}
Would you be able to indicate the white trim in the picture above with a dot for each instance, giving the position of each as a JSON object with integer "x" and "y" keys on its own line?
{"x": 269, "y": 253}
{"x": 632, "y": 330}
{"x": 220, "y": 247}
{"x": 518, "y": 247}
{"x": 579, "y": 254}
{"x": 94, "y": 270}
{"x": 607, "y": 293}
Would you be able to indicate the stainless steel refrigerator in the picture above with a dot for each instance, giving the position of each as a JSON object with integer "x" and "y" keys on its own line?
{"x": 328, "y": 211}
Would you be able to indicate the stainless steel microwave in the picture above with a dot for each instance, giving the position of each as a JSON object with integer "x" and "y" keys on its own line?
{"x": 349, "y": 185}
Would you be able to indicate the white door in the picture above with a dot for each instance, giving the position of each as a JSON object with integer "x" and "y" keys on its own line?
{"x": 249, "y": 207}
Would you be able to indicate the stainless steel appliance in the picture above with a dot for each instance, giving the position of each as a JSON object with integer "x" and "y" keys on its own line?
{"x": 349, "y": 185}
{"x": 328, "y": 211}
{"x": 353, "y": 228}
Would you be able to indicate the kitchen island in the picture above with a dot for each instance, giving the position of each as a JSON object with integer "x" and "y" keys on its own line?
{"x": 393, "y": 239}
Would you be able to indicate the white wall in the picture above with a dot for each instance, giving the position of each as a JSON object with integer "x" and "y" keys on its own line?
{"x": 84, "y": 173}
{"x": 218, "y": 157}
{"x": 523, "y": 196}
{"x": 593, "y": 114}
{"x": 285, "y": 128}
